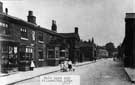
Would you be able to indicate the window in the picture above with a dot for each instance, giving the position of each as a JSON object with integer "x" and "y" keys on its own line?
{"x": 33, "y": 35}
{"x": 62, "y": 54}
{"x": 40, "y": 36}
{"x": 40, "y": 54}
{"x": 23, "y": 32}
{"x": 4, "y": 29}
{"x": 26, "y": 53}
{"x": 51, "y": 53}
{"x": 4, "y": 49}
{"x": 3, "y": 24}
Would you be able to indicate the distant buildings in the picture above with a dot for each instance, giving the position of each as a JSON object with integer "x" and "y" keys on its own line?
{"x": 21, "y": 41}
{"x": 102, "y": 52}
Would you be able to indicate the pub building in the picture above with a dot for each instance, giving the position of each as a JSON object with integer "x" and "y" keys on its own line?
{"x": 21, "y": 41}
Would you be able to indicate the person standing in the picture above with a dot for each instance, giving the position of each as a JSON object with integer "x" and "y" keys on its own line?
{"x": 65, "y": 65}
{"x": 70, "y": 65}
{"x": 62, "y": 66}
{"x": 32, "y": 65}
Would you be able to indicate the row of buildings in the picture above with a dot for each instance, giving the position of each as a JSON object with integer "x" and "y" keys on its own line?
{"x": 22, "y": 41}
{"x": 127, "y": 48}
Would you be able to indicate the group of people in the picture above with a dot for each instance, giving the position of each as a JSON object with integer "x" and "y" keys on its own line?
{"x": 66, "y": 66}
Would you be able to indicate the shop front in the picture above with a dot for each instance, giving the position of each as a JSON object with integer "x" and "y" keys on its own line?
{"x": 25, "y": 53}
{"x": 9, "y": 56}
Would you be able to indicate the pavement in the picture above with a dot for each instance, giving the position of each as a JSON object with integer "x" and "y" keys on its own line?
{"x": 131, "y": 73}
{"x": 9, "y": 79}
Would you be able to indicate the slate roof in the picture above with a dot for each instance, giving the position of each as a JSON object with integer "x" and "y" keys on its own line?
{"x": 70, "y": 35}
{"x": 22, "y": 22}
{"x": 83, "y": 44}
{"x": 16, "y": 20}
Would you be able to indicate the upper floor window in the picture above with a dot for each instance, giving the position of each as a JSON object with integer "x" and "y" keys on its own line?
{"x": 40, "y": 36}
{"x": 3, "y": 28}
{"x": 24, "y": 33}
{"x": 3, "y": 24}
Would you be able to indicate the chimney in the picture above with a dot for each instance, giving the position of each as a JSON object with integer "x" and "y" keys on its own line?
{"x": 6, "y": 10}
{"x": 1, "y": 7}
{"x": 31, "y": 18}
{"x": 54, "y": 26}
{"x": 76, "y": 30}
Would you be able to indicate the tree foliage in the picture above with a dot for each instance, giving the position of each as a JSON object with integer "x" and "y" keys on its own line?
{"x": 110, "y": 48}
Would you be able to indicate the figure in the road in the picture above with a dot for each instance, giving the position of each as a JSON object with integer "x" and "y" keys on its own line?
{"x": 62, "y": 66}
{"x": 70, "y": 65}
{"x": 65, "y": 66}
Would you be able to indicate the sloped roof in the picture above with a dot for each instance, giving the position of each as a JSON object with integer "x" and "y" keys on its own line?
{"x": 25, "y": 23}
{"x": 70, "y": 35}
{"x": 83, "y": 44}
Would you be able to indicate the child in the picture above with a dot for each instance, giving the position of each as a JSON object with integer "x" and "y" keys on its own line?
{"x": 65, "y": 66}
{"x": 70, "y": 65}
{"x": 62, "y": 66}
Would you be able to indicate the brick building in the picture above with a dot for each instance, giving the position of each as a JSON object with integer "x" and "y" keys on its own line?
{"x": 73, "y": 39}
{"x": 86, "y": 51}
{"x": 21, "y": 41}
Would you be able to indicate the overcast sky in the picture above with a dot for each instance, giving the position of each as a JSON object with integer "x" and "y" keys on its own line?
{"x": 101, "y": 19}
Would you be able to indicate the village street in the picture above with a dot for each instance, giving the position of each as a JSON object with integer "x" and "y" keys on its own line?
{"x": 102, "y": 72}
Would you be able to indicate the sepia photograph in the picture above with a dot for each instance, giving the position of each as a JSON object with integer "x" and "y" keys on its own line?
{"x": 67, "y": 42}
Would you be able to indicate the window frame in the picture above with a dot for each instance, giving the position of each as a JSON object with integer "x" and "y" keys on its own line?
{"x": 24, "y": 33}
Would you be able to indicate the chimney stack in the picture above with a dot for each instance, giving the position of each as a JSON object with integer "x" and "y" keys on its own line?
{"x": 1, "y": 7}
{"x": 6, "y": 10}
{"x": 31, "y": 18}
{"x": 76, "y": 30}
{"x": 54, "y": 26}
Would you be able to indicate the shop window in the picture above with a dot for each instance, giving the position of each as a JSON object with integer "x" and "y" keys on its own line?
{"x": 26, "y": 53}
{"x": 51, "y": 53}
{"x": 12, "y": 57}
{"x": 24, "y": 33}
{"x": 62, "y": 54}
{"x": 4, "y": 49}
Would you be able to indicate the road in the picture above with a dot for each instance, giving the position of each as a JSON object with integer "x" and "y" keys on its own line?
{"x": 102, "y": 72}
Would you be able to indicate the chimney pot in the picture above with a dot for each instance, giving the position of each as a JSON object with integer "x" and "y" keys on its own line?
{"x": 76, "y": 30}
{"x": 54, "y": 26}
{"x": 30, "y": 13}
{"x": 31, "y": 18}
{"x": 6, "y": 10}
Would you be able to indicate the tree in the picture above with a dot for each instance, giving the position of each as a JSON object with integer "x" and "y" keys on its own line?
{"x": 110, "y": 48}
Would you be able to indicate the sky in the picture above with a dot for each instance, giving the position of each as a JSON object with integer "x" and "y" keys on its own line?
{"x": 101, "y": 19}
